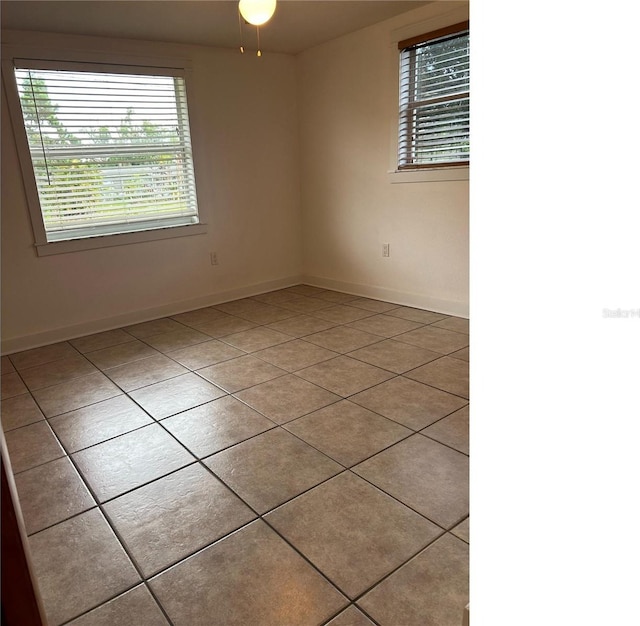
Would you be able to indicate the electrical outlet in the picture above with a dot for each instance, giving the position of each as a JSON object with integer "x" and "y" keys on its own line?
{"x": 385, "y": 249}
{"x": 214, "y": 258}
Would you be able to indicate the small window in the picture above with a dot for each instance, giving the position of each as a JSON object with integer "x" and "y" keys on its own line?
{"x": 109, "y": 146}
{"x": 434, "y": 99}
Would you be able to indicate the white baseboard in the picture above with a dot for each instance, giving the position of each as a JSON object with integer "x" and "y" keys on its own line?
{"x": 26, "y": 342}
{"x": 420, "y": 301}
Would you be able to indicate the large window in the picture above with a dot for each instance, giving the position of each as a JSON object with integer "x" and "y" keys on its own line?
{"x": 109, "y": 148}
{"x": 434, "y": 99}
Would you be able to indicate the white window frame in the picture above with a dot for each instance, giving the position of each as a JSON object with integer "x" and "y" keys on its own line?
{"x": 96, "y": 62}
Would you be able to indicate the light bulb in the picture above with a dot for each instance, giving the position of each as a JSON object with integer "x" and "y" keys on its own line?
{"x": 257, "y": 12}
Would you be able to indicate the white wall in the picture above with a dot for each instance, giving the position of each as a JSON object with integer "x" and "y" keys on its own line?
{"x": 294, "y": 155}
{"x": 244, "y": 119}
{"x": 347, "y": 99}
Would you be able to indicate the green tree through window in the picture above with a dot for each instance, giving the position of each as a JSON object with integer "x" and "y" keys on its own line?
{"x": 110, "y": 152}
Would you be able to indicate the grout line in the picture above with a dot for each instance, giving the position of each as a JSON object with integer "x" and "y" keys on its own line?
{"x": 390, "y": 495}
{"x": 446, "y": 445}
{"x": 99, "y": 506}
{"x": 259, "y": 517}
{"x": 395, "y": 569}
{"x": 69, "y": 621}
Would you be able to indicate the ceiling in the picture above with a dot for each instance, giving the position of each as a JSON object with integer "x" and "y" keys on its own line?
{"x": 296, "y": 25}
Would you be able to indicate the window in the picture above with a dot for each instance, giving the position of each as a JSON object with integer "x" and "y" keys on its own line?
{"x": 434, "y": 99}
{"x": 109, "y": 148}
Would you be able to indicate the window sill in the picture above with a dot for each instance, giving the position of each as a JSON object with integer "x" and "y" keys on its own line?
{"x": 107, "y": 241}
{"x": 437, "y": 175}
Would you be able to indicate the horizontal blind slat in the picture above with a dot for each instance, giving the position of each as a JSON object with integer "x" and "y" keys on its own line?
{"x": 434, "y": 102}
{"x": 108, "y": 149}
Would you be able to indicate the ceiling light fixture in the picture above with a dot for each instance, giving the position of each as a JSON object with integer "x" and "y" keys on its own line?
{"x": 256, "y": 12}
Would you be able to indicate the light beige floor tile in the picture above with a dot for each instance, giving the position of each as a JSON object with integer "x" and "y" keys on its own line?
{"x": 51, "y": 493}
{"x": 462, "y": 530}
{"x": 11, "y": 385}
{"x": 102, "y": 340}
{"x": 436, "y": 339}
{"x": 131, "y": 460}
{"x": 204, "y": 354}
{"x": 19, "y": 411}
{"x": 6, "y": 365}
{"x": 198, "y": 317}
{"x": 351, "y": 617}
{"x": 463, "y": 354}
{"x": 75, "y": 394}
{"x": 265, "y": 314}
{"x": 295, "y": 355}
{"x": 409, "y": 402}
{"x": 256, "y": 339}
{"x": 57, "y": 372}
{"x": 154, "y": 327}
{"x": 425, "y": 475}
{"x": 343, "y": 339}
{"x": 440, "y": 572}
{"x": 136, "y": 607}
{"x": 145, "y": 372}
{"x": 344, "y": 376}
{"x": 240, "y": 373}
{"x": 153, "y": 478}
{"x": 287, "y": 397}
{"x": 32, "y": 445}
{"x": 304, "y": 304}
{"x": 237, "y": 307}
{"x": 394, "y": 356}
{"x": 293, "y": 289}
{"x": 351, "y": 531}
{"x": 453, "y": 430}
{"x": 308, "y": 290}
{"x": 447, "y": 374}
{"x": 347, "y": 432}
{"x": 384, "y": 325}
{"x": 173, "y": 517}
{"x": 342, "y": 314}
{"x": 301, "y": 325}
{"x": 244, "y": 305}
{"x": 98, "y": 422}
{"x": 175, "y": 395}
{"x": 79, "y": 564}
{"x": 250, "y": 577}
{"x": 176, "y": 339}
{"x": 337, "y": 297}
{"x": 417, "y": 315}
{"x": 40, "y": 356}
{"x": 225, "y": 326}
{"x": 271, "y": 468}
{"x": 276, "y": 297}
{"x": 377, "y": 306}
{"x": 119, "y": 355}
{"x": 216, "y": 425}
{"x": 457, "y": 324}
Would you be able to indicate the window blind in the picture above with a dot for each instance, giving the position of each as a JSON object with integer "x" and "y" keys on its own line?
{"x": 111, "y": 151}
{"x": 434, "y": 100}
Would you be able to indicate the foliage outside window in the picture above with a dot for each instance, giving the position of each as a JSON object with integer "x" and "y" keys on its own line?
{"x": 110, "y": 150}
{"x": 434, "y": 99}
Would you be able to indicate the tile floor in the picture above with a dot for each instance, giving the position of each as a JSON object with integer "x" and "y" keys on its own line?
{"x": 299, "y": 457}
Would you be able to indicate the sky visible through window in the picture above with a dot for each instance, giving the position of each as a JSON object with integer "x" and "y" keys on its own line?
{"x": 85, "y": 101}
